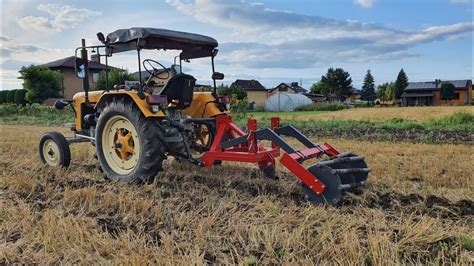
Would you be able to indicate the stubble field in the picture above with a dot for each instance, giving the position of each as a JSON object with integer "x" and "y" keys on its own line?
{"x": 413, "y": 113}
{"x": 417, "y": 207}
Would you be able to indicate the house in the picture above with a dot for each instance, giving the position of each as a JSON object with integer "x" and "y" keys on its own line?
{"x": 315, "y": 97}
{"x": 71, "y": 83}
{"x": 428, "y": 93}
{"x": 202, "y": 88}
{"x": 257, "y": 94}
{"x": 355, "y": 96}
{"x": 292, "y": 87}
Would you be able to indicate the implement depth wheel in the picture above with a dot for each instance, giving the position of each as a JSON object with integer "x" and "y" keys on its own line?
{"x": 338, "y": 173}
{"x": 129, "y": 146}
{"x": 332, "y": 192}
{"x": 54, "y": 150}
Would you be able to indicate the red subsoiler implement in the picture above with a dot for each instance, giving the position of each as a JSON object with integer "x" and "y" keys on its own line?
{"x": 322, "y": 182}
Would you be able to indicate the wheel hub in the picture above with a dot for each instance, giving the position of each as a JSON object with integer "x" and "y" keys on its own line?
{"x": 51, "y": 153}
{"x": 121, "y": 145}
{"x": 124, "y": 144}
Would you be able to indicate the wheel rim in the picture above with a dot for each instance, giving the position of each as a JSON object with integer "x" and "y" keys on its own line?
{"x": 121, "y": 145}
{"x": 51, "y": 153}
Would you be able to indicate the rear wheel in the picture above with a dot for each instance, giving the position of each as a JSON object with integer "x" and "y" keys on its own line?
{"x": 54, "y": 150}
{"x": 129, "y": 146}
{"x": 204, "y": 135}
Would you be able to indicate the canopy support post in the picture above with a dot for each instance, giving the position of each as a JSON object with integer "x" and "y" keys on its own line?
{"x": 140, "y": 88}
{"x": 85, "y": 80}
{"x": 106, "y": 73}
{"x": 213, "y": 79}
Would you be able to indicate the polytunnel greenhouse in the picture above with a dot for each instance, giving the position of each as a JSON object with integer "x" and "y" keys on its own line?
{"x": 286, "y": 102}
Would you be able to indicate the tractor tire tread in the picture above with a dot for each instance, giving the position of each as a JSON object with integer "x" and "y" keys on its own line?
{"x": 152, "y": 146}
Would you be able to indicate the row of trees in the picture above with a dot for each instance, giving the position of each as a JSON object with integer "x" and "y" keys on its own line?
{"x": 13, "y": 96}
{"x": 336, "y": 84}
{"x": 39, "y": 83}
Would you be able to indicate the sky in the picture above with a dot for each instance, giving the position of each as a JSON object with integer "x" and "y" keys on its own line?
{"x": 272, "y": 41}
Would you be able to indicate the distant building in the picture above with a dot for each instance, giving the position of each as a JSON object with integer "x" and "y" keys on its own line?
{"x": 315, "y": 97}
{"x": 256, "y": 92}
{"x": 428, "y": 93}
{"x": 355, "y": 96}
{"x": 203, "y": 88}
{"x": 71, "y": 83}
{"x": 292, "y": 87}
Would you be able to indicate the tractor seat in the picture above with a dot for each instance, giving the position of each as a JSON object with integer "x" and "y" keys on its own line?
{"x": 179, "y": 91}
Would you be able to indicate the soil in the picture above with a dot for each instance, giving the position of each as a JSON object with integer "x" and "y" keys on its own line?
{"x": 287, "y": 191}
{"x": 410, "y": 135}
{"x": 430, "y": 205}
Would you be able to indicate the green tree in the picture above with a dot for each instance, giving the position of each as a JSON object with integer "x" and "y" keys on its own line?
{"x": 235, "y": 91}
{"x": 368, "y": 88}
{"x": 400, "y": 84}
{"x": 20, "y": 96}
{"x": 385, "y": 91}
{"x": 447, "y": 92}
{"x": 381, "y": 91}
{"x": 41, "y": 83}
{"x": 3, "y": 96}
{"x": 319, "y": 88}
{"x": 116, "y": 76}
{"x": 10, "y": 96}
{"x": 336, "y": 83}
{"x": 389, "y": 91}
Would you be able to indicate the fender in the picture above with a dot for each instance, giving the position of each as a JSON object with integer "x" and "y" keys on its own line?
{"x": 202, "y": 106}
{"x": 98, "y": 99}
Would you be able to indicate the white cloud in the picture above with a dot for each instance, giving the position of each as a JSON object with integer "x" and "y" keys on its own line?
{"x": 10, "y": 46}
{"x": 60, "y": 17}
{"x": 264, "y": 38}
{"x": 15, "y": 54}
{"x": 365, "y": 3}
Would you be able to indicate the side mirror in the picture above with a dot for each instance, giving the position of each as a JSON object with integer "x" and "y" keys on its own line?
{"x": 101, "y": 37}
{"x": 218, "y": 76}
{"x": 79, "y": 67}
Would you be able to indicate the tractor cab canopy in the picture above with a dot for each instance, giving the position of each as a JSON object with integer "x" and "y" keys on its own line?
{"x": 192, "y": 45}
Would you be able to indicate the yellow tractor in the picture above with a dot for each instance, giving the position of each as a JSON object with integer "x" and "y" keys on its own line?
{"x": 137, "y": 125}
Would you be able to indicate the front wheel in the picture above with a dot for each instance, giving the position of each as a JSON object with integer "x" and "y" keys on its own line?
{"x": 54, "y": 150}
{"x": 129, "y": 146}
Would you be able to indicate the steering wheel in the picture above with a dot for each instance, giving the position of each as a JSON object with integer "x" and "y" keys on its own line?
{"x": 150, "y": 63}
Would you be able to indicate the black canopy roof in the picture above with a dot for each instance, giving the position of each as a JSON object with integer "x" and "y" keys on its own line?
{"x": 192, "y": 45}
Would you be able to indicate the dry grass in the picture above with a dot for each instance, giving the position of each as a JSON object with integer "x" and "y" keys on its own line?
{"x": 416, "y": 206}
{"x": 378, "y": 114}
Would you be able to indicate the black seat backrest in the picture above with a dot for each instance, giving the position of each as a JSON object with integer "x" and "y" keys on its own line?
{"x": 180, "y": 88}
